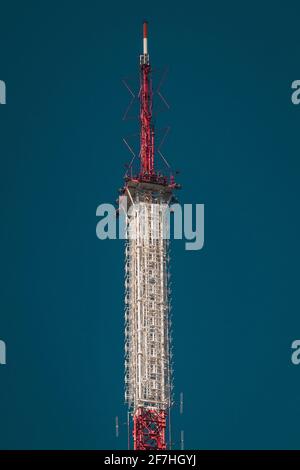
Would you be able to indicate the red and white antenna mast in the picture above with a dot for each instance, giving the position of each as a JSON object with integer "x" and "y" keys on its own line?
{"x": 148, "y": 356}
{"x": 146, "y": 95}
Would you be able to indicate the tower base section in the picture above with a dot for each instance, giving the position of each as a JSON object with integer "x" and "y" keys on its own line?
{"x": 149, "y": 429}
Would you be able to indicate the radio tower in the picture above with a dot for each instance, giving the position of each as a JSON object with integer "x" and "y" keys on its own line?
{"x": 148, "y": 371}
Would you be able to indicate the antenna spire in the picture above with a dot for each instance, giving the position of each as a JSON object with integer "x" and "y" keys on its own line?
{"x": 145, "y": 37}
{"x": 146, "y": 94}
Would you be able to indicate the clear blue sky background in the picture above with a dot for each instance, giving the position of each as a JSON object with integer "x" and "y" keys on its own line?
{"x": 235, "y": 137}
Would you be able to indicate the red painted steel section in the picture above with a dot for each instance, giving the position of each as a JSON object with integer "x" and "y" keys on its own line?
{"x": 147, "y": 130}
{"x": 145, "y": 29}
{"x": 149, "y": 429}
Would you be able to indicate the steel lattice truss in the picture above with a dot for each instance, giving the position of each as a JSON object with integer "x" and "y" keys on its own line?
{"x": 147, "y": 306}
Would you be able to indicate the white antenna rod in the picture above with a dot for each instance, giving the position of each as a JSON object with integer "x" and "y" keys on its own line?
{"x": 181, "y": 403}
{"x": 117, "y": 426}
{"x": 181, "y": 440}
{"x": 145, "y": 38}
{"x": 128, "y": 430}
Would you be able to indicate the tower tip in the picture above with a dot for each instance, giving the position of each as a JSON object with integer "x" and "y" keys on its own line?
{"x": 145, "y": 29}
{"x": 145, "y": 37}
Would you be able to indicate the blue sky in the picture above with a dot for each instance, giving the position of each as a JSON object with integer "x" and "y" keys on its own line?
{"x": 234, "y": 137}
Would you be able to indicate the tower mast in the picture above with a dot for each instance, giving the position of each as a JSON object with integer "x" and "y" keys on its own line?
{"x": 148, "y": 371}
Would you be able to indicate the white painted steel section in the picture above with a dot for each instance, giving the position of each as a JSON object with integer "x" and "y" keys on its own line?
{"x": 145, "y": 46}
{"x": 147, "y": 310}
